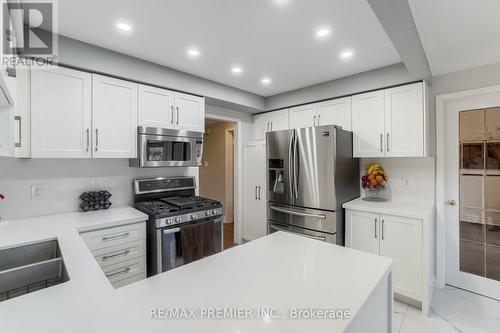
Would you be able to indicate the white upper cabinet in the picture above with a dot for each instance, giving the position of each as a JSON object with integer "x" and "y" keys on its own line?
{"x": 304, "y": 116}
{"x": 156, "y": 107}
{"x": 336, "y": 112}
{"x": 269, "y": 122}
{"x": 114, "y": 120}
{"x": 61, "y": 113}
{"x": 189, "y": 112}
{"x": 368, "y": 124}
{"x": 404, "y": 121}
{"x": 390, "y": 122}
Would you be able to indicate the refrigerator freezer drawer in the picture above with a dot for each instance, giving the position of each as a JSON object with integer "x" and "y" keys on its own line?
{"x": 315, "y": 219}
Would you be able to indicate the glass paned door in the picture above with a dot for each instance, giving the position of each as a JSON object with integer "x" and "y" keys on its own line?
{"x": 479, "y": 225}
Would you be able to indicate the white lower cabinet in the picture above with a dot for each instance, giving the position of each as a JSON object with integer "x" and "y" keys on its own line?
{"x": 120, "y": 251}
{"x": 254, "y": 208}
{"x": 395, "y": 237}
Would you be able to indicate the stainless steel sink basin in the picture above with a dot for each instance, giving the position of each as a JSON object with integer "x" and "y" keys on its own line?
{"x": 28, "y": 268}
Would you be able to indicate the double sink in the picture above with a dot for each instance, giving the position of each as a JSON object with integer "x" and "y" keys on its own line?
{"x": 28, "y": 268}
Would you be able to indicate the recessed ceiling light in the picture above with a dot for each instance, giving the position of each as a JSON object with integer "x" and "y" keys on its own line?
{"x": 192, "y": 52}
{"x": 265, "y": 81}
{"x": 237, "y": 70}
{"x": 281, "y": 2}
{"x": 323, "y": 32}
{"x": 124, "y": 26}
{"x": 347, "y": 54}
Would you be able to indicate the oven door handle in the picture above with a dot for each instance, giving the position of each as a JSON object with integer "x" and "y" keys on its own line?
{"x": 294, "y": 212}
{"x": 170, "y": 231}
{"x": 321, "y": 238}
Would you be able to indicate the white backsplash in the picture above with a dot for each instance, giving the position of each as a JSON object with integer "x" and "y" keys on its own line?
{"x": 61, "y": 181}
{"x": 419, "y": 172}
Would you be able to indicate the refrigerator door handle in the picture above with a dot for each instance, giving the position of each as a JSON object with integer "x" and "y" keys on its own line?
{"x": 297, "y": 213}
{"x": 290, "y": 166}
{"x": 295, "y": 168}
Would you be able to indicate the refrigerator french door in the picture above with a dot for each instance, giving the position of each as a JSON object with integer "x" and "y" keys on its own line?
{"x": 311, "y": 171}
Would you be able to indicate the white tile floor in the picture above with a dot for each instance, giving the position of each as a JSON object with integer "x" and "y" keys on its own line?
{"x": 453, "y": 310}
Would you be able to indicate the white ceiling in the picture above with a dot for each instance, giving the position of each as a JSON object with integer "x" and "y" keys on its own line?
{"x": 458, "y": 34}
{"x": 274, "y": 38}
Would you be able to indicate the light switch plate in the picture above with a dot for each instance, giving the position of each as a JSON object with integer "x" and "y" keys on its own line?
{"x": 406, "y": 181}
{"x": 35, "y": 192}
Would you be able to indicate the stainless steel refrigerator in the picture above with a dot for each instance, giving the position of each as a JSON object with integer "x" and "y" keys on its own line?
{"x": 310, "y": 173}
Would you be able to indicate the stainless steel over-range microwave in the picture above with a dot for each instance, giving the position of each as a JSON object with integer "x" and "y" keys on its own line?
{"x": 160, "y": 147}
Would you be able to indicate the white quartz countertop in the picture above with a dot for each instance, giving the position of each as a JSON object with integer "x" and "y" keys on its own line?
{"x": 399, "y": 208}
{"x": 280, "y": 271}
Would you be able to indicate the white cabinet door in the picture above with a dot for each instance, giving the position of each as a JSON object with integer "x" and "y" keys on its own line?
{"x": 254, "y": 176}
{"x": 22, "y": 114}
{"x": 156, "y": 107}
{"x": 368, "y": 124}
{"x": 404, "y": 121}
{"x": 303, "y": 116}
{"x": 362, "y": 231}
{"x": 280, "y": 120}
{"x": 189, "y": 112}
{"x": 336, "y": 112}
{"x": 401, "y": 240}
{"x": 262, "y": 125}
{"x": 114, "y": 117}
{"x": 60, "y": 113}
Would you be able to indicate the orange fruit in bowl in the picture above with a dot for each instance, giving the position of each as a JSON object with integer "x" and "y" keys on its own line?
{"x": 373, "y": 182}
{"x": 379, "y": 179}
{"x": 371, "y": 177}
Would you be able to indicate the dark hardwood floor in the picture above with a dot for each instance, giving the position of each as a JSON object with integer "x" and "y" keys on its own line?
{"x": 228, "y": 235}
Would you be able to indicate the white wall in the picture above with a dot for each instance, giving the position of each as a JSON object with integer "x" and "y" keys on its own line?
{"x": 61, "y": 181}
{"x": 420, "y": 172}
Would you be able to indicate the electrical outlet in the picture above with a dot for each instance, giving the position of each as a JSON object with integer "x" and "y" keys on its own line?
{"x": 406, "y": 181}
{"x": 35, "y": 192}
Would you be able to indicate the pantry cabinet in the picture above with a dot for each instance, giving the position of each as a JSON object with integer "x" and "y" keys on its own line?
{"x": 61, "y": 113}
{"x": 114, "y": 117}
{"x": 271, "y": 121}
{"x": 390, "y": 122}
{"x": 254, "y": 189}
{"x": 395, "y": 237}
{"x": 333, "y": 112}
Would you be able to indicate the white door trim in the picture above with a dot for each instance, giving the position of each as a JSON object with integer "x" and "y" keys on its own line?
{"x": 441, "y": 101}
{"x": 238, "y": 174}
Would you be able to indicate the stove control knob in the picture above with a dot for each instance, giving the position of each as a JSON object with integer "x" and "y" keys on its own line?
{"x": 194, "y": 216}
{"x": 214, "y": 211}
{"x": 207, "y": 213}
{"x": 177, "y": 219}
{"x": 169, "y": 221}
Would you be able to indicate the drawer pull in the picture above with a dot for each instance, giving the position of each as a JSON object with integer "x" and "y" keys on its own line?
{"x": 123, "y": 271}
{"x": 124, "y": 253}
{"x": 106, "y": 239}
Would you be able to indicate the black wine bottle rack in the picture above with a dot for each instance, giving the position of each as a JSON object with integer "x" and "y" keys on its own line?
{"x": 95, "y": 200}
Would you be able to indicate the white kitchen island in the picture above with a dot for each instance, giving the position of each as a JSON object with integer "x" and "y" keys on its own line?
{"x": 255, "y": 287}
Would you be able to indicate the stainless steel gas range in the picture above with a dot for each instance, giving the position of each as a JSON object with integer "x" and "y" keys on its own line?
{"x": 182, "y": 227}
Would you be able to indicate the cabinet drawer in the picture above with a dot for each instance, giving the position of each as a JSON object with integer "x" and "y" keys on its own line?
{"x": 126, "y": 281}
{"x": 119, "y": 253}
{"x": 113, "y": 236}
{"x": 125, "y": 269}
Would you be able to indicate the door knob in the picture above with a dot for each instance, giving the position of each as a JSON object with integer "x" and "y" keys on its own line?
{"x": 451, "y": 202}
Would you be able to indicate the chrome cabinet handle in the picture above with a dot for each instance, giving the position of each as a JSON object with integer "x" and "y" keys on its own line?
{"x": 387, "y": 143}
{"x": 376, "y": 220}
{"x": 294, "y": 212}
{"x": 271, "y": 126}
{"x": 123, "y": 271}
{"x": 259, "y": 192}
{"x": 18, "y": 144}
{"x": 256, "y": 198}
{"x": 105, "y": 239}
{"x": 319, "y": 118}
{"x": 124, "y": 253}
{"x": 88, "y": 139}
{"x": 451, "y": 202}
{"x": 382, "y": 229}
{"x": 177, "y": 114}
{"x": 381, "y": 143}
{"x": 96, "y": 139}
{"x": 322, "y": 238}
{"x": 314, "y": 121}
{"x": 172, "y": 114}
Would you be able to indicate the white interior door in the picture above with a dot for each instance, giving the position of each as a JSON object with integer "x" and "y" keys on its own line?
{"x": 469, "y": 167}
